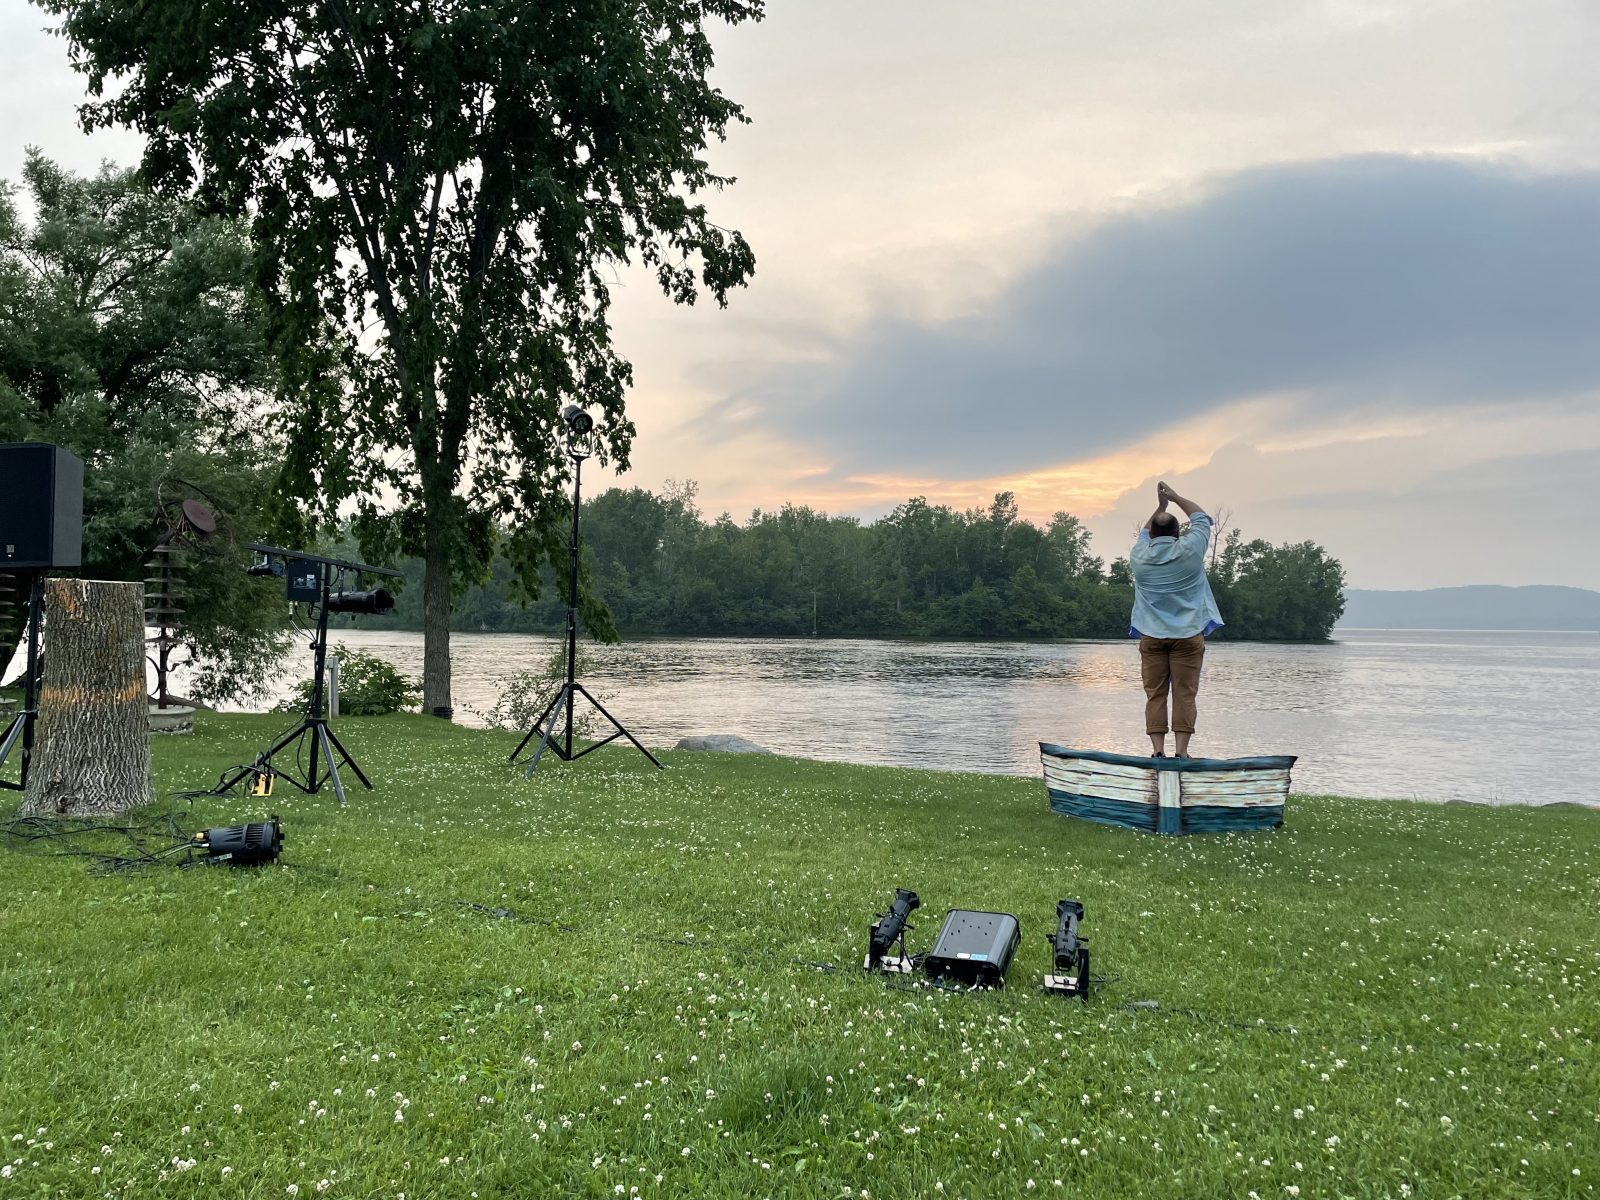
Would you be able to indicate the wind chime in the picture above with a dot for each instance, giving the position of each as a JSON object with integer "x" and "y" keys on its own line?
{"x": 163, "y": 614}
{"x": 163, "y": 609}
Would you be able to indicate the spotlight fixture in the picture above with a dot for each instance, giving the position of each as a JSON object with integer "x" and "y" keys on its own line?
{"x": 242, "y": 845}
{"x": 1070, "y": 975}
{"x": 974, "y": 948}
{"x": 888, "y": 930}
{"x": 374, "y": 603}
{"x": 264, "y": 568}
{"x": 578, "y": 422}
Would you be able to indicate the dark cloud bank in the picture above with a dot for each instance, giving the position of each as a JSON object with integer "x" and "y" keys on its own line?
{"x": 1406, "y": 281}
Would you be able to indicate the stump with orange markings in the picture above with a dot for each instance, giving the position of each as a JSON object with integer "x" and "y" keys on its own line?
{"x": 92, "y": 745}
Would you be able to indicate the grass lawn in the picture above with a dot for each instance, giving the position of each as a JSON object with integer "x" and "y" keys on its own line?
{"x": 1381, "y": 999}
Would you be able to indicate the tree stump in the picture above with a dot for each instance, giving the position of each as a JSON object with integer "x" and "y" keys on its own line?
{"x": 92, "y": 747}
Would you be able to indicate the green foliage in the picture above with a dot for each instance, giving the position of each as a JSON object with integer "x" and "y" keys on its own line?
{"x": 132, "y": 334}
{"x": 1284, "y": 593}
{"x": 465, "y": 178}
{"x": 923, "y": 570}
{"x": 1381, "y": 997}
{"x": 521, "y": 697}
{"x": 368, "y": 687}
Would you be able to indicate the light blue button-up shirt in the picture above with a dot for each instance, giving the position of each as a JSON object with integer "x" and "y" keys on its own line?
{"x": 1171, "y": 594}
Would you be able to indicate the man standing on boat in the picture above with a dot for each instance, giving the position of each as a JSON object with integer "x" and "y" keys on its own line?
{"x": 1173, "y": 611}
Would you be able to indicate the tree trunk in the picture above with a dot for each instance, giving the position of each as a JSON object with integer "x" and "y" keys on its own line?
{"x": 436, "y": 617}
{"x": 92, "y": 754}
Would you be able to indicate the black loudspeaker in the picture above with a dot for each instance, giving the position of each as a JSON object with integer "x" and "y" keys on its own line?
{"x": 41, "y": 507}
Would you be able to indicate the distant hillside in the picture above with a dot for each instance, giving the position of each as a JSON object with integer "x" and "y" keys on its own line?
{"x": 1480, "y": 607}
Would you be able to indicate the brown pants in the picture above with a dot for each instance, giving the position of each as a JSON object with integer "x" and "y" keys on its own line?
{"x": 1170, "y": 664}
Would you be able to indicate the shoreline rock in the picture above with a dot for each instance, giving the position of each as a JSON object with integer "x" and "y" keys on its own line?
{"x": 725, "y": 743}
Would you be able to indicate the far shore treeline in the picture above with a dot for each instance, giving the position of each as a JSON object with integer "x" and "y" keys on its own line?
{"x": 924, "y": 570}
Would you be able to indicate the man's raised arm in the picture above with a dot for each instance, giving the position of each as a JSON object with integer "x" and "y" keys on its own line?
{"x": 1164, "y": 490}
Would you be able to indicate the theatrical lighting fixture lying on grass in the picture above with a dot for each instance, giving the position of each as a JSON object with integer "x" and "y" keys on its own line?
{"x": 1070, "y": 953}
{"x": 974, "y": 948}
{"x": 889, "y": 929}
{"x": 242, "y": 845}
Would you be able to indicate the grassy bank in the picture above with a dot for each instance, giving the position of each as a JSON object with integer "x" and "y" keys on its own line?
{"x": 593, "y": 983}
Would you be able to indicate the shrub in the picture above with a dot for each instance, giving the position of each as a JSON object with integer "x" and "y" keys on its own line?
{"x": 368, "y": 687}
{"x": 524, "y": 694}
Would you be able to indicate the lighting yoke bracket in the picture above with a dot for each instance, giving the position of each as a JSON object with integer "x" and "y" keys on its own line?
{"x": 310, "y": 578}
{"x": 1070, "y": 975}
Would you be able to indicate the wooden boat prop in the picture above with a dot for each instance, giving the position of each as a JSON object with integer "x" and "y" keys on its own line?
{"x": 1167, "y": 795}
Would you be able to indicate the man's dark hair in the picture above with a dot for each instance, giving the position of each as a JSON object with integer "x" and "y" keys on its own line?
{"x": 1163, "y": 525}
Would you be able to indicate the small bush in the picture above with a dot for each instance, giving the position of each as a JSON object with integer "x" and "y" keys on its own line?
{"x": 368, "y": 687}
{"x": 524, "y": 694}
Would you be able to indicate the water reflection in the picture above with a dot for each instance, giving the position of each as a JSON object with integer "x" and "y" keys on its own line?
{"x": 1477, "y": 716}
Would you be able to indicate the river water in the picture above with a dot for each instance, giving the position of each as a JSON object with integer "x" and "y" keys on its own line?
{"x": 1487, "y": 717}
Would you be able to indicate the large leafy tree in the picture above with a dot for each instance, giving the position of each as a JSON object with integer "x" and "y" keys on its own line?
{"x": 131, "y": 332}
{"x": 449, "y": 184}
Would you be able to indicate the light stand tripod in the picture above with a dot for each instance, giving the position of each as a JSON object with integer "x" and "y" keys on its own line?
{"x": 559, "y": 710}
{"x": 311, "y": 578}
{"x": 21, "y": 727}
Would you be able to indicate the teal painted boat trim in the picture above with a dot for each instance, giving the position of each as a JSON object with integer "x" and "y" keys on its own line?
{"x": 1150, "y": 818}
{"x": 1105, "y": 812}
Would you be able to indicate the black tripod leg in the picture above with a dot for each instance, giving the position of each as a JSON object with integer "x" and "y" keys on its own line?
{"x": 264, "y": 759}
{"x": 539, "y": 725}
{"x": 617, "y": 725}
{"x": 347, "y": 757}
{"x": 562, "y": 700}
{"x": 322, "y": 735}
{"x": 313, "y": 784}
{"x": 12, "y": 734}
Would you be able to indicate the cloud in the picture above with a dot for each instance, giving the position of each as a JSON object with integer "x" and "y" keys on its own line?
{"x": 1494, "y": 498}
{"x": 1388, "y": 281}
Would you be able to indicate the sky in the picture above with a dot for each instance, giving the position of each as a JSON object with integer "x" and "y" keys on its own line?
{"x": 1330, "y": 267}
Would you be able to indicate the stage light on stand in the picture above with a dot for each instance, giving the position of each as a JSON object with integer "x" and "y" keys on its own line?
{"x": 374, "y": 603}
{"x": 555, "y": 727}
{"x": 311, "y": 579}
{"x": 578, "y": 422}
